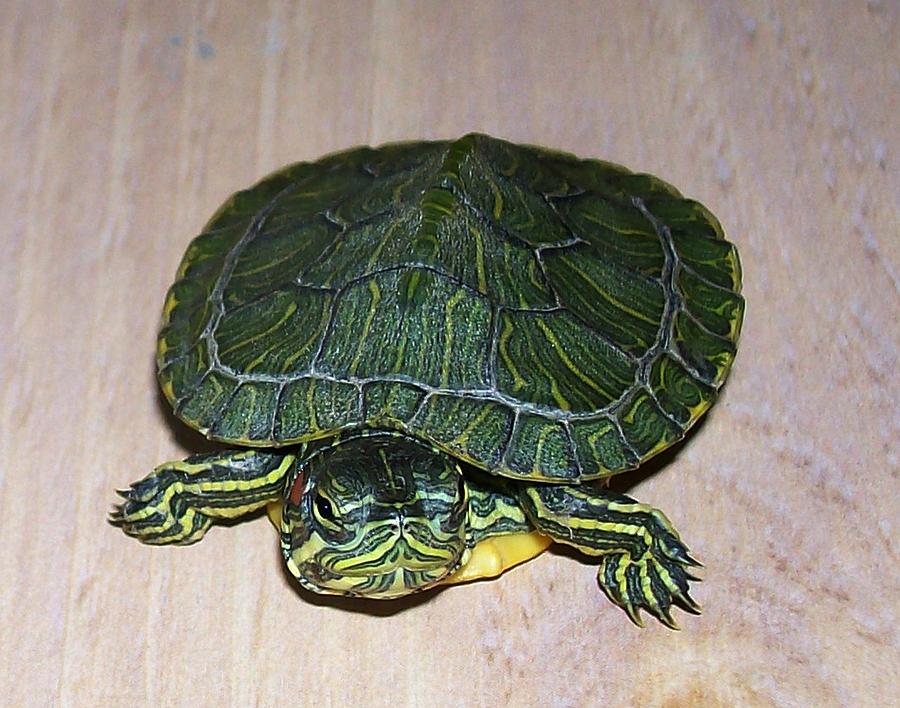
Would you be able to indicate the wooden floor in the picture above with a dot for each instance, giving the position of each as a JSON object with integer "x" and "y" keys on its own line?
{"x": 123, "y": 125}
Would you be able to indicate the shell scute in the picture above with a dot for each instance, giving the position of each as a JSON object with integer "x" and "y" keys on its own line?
{"x": 534, "y": 314}
{"x": 541, "y": 448}
{"x": 473, "y": 429}
{"x": 312, "y": 407}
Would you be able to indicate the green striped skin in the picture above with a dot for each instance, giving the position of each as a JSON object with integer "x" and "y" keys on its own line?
{"x": 468, "y": 334}
{"x": 178, "y": 501}
{"x": 382, "y": 515}
{"x": 643, "y": 561}
{"x": 376, "y": 516}
{"x": 538, "y": 316}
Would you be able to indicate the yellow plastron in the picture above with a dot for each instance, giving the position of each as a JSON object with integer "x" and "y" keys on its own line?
{"x": 498, "y": 554}
{"x": 488, "y": 559}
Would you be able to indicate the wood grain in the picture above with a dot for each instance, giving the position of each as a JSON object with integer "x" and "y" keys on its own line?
{"x": 124, "y": 125}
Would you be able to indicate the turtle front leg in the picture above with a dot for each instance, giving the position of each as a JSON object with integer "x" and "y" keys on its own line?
{"x": 643, "y": 561}
{"x": 178, "y": 501}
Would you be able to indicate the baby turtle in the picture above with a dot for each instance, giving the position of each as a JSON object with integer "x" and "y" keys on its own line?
{"x": 432, "y": 354}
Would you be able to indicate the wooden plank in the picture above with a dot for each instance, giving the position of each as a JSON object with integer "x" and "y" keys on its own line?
{"x": 124, "y": 125}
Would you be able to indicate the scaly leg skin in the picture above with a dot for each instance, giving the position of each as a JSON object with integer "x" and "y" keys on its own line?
{"x": 494, "y": 510}
{"x": 643, "y": 561}
{"x": 178, "y": 501}
{"x": 499, "y": 534}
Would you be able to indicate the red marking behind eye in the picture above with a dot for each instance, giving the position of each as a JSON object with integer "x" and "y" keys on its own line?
{"x": 296, "y": 495}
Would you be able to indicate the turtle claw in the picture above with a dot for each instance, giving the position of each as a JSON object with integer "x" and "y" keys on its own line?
{"x": 673, "y": 548}
{"x": 633, "y": 614}
{"x": 152, "y": 514}
{"x": 677, "y": 554}
{"x": 688, "y": 559}
{"x": 653, "y": 582}
{"x": 664, "y": 615}
{"x": 688, "y": 603}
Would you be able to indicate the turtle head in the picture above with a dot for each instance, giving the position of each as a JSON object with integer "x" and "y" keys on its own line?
{"x": 378, "y": 515}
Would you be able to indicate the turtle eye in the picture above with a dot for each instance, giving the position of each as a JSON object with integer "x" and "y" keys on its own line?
{"x": 324, "y": 509}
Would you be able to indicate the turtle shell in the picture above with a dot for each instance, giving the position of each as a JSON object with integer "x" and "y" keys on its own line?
{"x": 537, "y": 315}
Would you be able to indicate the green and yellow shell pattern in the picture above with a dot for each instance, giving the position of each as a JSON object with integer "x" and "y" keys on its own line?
{"x": 491, "y": 325}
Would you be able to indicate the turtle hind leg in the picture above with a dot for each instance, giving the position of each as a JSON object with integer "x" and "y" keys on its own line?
{"x": 179, "y": 501}
{"x": 644, "y": 563}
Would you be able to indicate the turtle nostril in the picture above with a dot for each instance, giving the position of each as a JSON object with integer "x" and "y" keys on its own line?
{"x": 404, "y": 523}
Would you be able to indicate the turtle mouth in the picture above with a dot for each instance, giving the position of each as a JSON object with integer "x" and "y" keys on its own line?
{"x": 386, "y": 585}
{"x": 404, "y": 555}
{"x": 400, "y": 572}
